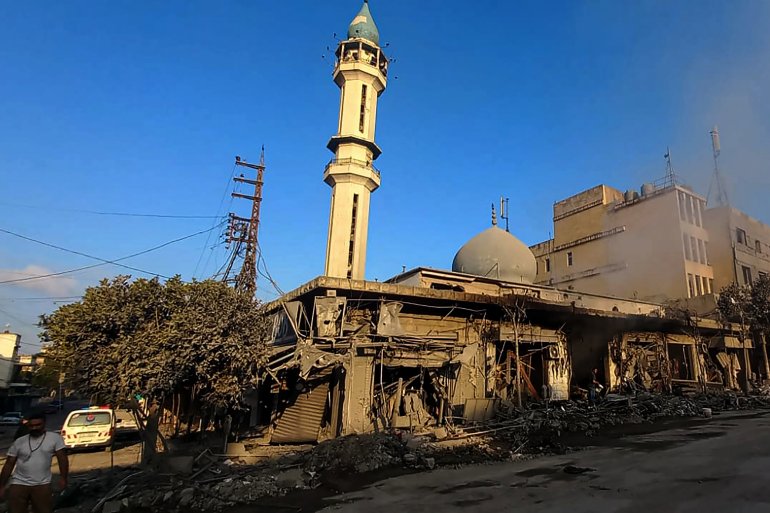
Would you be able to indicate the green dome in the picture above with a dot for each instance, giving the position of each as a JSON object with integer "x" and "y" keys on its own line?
{"x": 363, "y": 26}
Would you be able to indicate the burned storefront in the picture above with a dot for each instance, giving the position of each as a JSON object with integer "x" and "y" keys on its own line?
{"x": 433, "y": 348}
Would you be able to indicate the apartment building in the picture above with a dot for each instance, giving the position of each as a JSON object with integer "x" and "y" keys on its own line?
{"x": 650, "y": 245}
{"x": 740, "y": 246}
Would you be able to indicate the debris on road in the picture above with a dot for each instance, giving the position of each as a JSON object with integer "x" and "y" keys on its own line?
{"x": 214, "y": 482}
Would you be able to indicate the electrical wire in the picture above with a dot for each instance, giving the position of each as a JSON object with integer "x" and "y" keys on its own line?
{"x": 49, "y": 298}
{"x": 266, "y": 274}
{"x": 12, "y": 316}
{"x": 74, "y": 252}
{"x": 236, "y": 188}
{"x": 219, "y": 209}
{"x": 103, "y": 261}
{"x": 103, "y": 213}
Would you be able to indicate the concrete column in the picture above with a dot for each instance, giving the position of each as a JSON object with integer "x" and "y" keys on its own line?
{"x": 763, "y": 349}
{"x": 357, "y": 410}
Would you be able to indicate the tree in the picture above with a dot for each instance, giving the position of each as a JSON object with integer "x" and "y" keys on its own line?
{"x": 46, "y": 376}
{"x": 128, "y": 337}
{"x": 734, "y": 303}
{"x": 760, "y": 303}
{"x": 760, "y": 316}
{"x": 750, "y": 306}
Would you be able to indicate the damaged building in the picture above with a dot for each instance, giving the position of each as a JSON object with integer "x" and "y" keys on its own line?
{"x": 431, "y": 348}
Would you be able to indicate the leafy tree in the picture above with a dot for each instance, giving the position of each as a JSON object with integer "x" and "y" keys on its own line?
{"x": 760, "y": 304}
{"x": 734, "y": 303}
{"x": 750, "y": 306}
{"x": 128, "y": 337}
{"x": 46, "y": 376}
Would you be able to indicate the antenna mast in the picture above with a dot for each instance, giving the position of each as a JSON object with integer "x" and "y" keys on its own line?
{"x": 721, "y": 190}
{"x": 504, "y": 211}
{"x": 244, "y": 231}
{"x": 670, "y": 175}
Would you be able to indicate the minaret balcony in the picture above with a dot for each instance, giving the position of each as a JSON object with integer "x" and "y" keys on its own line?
{"x": 352, "y": 170}
{"x": 360, "y": 54}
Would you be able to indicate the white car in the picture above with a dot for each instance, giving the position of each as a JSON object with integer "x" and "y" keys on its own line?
{"x": 11, "y": 418}
{"x": 90, "y": 427}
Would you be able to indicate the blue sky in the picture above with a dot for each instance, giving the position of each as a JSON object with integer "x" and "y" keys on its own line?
{"x": 141, "y": 107}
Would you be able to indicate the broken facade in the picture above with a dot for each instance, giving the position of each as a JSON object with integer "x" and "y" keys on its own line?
{"x": 432, "y": 348}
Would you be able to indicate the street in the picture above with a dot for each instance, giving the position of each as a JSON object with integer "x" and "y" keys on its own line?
{"x": 720, "y": 465}
{"x": 126, "y": 451}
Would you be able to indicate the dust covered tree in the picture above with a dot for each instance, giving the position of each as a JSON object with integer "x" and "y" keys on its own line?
{"x": 749, "y": 306}
{"x": 734, "y": 303}
{"x": 143, "y": 336}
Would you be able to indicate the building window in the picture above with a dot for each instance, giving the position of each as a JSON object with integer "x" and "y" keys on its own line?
{"x": 548, "y": 265}
{"x": 691, "y": 209}
{"x": 362, "y": 115}
{"x": 758, "y": 246}
{"x": 706, "y": 289}
{"x": 706, "y": 252}
{"x": 711, "y": 285}
{"x": 687, "y": 250}
{"x": 682, "y": 215}
{"x": 696, "y": 205}
{"x": 352, "y": 242}
{"x": 746, "y": 275}
{"x": 740, "y": 236}
{"x": 569, "y": 258}
{"x": 690, "y": 285}
{"x": 698, "y": 285}
{"x": 701, "y": 252}
{"x": 694, "y": 245}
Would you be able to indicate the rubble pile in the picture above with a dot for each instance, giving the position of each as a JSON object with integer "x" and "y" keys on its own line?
{"x": 539, "y": 428}
{"x": 356, "y": 453}
{"x": 217, "y": 482}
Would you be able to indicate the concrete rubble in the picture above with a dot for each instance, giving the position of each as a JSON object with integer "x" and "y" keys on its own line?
{"x": 219, "y": 482}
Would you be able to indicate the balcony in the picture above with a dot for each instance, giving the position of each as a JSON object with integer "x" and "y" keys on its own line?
{"x": 352, "y": 162}
{"x": 363, "y": 53}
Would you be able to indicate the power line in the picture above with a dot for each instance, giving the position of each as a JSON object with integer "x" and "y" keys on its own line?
{"x": 60, "y": 273}
{"x": 266, "y": 274}
{"x": 48, "y": 298}
{"x": 104, "y": 262}
{"x": 219, "y": 209}
{"x": 12, "y": 316}
{"x": 74, "y": 253}
{"x": 104, "y": 213}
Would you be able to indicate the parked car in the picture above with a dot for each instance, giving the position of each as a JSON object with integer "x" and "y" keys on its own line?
{"x": 90, "y": 427}
{"x": 125, "y": 421}
{"x": 11, "y": 418}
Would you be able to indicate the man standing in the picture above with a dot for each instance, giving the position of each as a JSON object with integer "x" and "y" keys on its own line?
{"x": 594, "y": 386}
{"x": 29, "y": 459}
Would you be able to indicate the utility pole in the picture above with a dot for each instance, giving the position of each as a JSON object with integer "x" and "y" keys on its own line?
{"x": 244, "y": 231}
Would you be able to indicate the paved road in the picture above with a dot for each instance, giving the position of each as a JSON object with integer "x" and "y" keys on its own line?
{"x": 721, "y": 465}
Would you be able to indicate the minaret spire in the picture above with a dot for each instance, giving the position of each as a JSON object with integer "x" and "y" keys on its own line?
{"x": 360, "y": 71}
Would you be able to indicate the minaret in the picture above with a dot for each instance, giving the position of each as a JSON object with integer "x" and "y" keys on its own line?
{"x": 360, "y": 71}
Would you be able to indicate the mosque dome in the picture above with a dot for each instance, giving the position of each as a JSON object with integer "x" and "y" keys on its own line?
{"x": 363, "y": 26}
{"x": 495, "y": 253}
